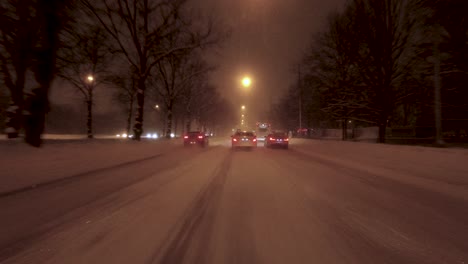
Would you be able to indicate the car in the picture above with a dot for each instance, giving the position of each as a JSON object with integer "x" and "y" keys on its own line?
{"x": 244, "y": 139}
{"x": 195, "y": 138}
{"x": 279, "y": 139}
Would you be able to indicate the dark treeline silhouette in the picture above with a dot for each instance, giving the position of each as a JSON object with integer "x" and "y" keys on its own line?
{"x": 127, "y": 46}
{"x": 381, "y": 63}
{"x": 28, "y": 46}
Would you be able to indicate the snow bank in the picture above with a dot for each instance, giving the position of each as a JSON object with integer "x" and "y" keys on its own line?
{"x": 443, "y": 165}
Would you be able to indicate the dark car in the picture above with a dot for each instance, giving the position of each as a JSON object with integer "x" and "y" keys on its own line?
{"x": 279, "y": 139}
{"x": 195, "y": 138}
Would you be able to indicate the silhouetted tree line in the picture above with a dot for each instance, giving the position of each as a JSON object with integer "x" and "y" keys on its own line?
{"x": 378, "y": 63}
{"x": 130, "y": 45}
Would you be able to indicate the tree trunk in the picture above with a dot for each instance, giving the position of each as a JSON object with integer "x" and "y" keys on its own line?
{"x": 129, "y": 116}
{"x": 169, "y": 123}
{"x": 344, "y": 128}
{"x": 23, "y": 41}
{"x": 169, "y": 118}
{"x": 37, "y": 105}
{"x": 45, "y": 54}
{"x": 138, "y": 126}
{"x": 176, "y": 121}
{"x": 188, "y": 125}
{"x": 15, "y": 111}
{"x": 89, "y": 121}
{"x": 13, "y": 120}
{"x": 382, "y": 129}
{"x": 163, "y": 132}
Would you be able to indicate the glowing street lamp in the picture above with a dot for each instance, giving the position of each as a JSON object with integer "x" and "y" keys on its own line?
{"x": 243, "y": 107}
{"x": 90, "y": 78}
{"x": 246, "y": 82}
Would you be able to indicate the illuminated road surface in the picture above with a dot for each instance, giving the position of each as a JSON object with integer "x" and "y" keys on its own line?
{"x": 267, "y": 206}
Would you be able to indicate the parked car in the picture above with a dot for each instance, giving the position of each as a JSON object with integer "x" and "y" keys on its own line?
{"x": 244, "y": 139}
{"x": 278, "y": 139}
{"x": 195, "y": 138}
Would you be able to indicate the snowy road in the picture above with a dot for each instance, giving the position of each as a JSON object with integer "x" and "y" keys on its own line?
{"x": 318, "y": 202}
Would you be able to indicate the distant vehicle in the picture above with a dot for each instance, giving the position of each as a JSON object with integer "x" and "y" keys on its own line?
{"x": 244, "y": 139}
{"x": 262, "y": 130}
{"x": 279, "y": 139}
{"x": 195, "y": 138}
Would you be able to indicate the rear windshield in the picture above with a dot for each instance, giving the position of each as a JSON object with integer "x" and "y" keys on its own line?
{"x": 249, "y": 134}
{"x": 279, "y": 134}
{"x": 193, "y": 133}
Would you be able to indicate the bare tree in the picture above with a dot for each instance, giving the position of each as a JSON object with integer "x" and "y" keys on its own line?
{"x": 140, "y": 30}
{"x": 176, "y": 74}
{"x": 126, "y": 85}
{"x": 384, "y": 28}
{"x": 331, "y": 68}
{"x": 84, "y": 62}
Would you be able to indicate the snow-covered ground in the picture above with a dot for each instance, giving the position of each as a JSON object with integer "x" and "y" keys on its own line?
{"x": 23, "y": 166}
{"x": 318, "y": 202}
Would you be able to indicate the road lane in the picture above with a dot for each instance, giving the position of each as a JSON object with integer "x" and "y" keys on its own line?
{"x": 262, "y": 206}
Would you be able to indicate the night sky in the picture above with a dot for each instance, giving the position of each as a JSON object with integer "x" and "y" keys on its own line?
{"x": 268, "y": 38}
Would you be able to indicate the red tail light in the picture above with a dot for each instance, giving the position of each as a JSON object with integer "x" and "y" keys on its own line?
{"x": 200, "y": 136}
{"x": 272, "y": 138}
{"x": 286, "y": 139}
{"x": 254, "y": 139}
{"x": 235, "y": 140}
{"x": 185, "y": 136}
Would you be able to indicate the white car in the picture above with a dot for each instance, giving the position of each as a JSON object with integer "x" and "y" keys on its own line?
{"x": 244, "y": 139}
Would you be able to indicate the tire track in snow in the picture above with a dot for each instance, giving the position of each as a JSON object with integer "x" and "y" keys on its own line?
{"x": 76, "y": 176}
{"x": 197, "y": 223}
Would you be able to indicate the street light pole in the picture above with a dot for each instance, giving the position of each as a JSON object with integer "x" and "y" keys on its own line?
{"x": 89, "y": 103}
{"x": 300, "y": 94}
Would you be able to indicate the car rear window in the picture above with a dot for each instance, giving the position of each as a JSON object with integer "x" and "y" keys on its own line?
{"x": 248, "y": 134}
{"x": 279, "y": 134}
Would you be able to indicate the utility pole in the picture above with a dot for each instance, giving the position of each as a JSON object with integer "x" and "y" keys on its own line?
{"x": 437, "y": 87}
{"x": 299, "y": 86}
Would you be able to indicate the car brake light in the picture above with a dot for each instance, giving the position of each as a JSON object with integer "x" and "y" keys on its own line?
{"x": 286, "y": 139}
{"x": 234, "y": 139}
{"x": 254, "y": 139}
{"x": 200, "y": 136}
{"x": 185, "y": 136}
{"x": 272, "y": 138}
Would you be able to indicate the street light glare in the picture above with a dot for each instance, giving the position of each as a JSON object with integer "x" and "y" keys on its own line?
{"x": 246, "y": 81}
{"x": 243, "y": 107}
{"x": 90, "y": 78}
